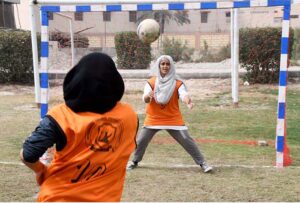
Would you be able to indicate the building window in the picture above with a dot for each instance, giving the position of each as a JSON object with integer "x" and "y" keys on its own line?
{"x": 7, "y": 16}
{"x": 227, "y": 15}
{"x": 50, "y": 16}
{"x": 277, "y": 19}
{"x": 132, "y": 16}
{"x": 106, "y": 16}
{"x": 78, "y": 16}
{"x": 204, "y": 17}
{"x": 294, "y": 16}
{"x": 260, "y": 12}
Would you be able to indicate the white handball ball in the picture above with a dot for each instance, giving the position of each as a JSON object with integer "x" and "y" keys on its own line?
{"x": 148, "y": 30}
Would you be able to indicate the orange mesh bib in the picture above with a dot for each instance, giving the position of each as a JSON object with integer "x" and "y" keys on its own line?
{"x": 92, "y": 165}
{"x": 164, "y": 115}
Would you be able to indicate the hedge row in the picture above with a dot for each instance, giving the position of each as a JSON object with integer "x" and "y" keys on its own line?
{"x": 132, "y": 53}
{"x": 15, "y": 57}
{"x": 260, "y": 53}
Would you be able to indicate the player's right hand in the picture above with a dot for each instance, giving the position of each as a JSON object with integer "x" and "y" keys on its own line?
{"x": 151, "y": 95}
{"x": 40, "y": 176}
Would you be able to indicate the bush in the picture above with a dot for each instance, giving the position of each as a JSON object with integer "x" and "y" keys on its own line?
{"x": 132, "y": 53}
{"x": 296, "y": 45}
{"x": 16, "y": 64}
{"x": 260, "y": 53}
{"x": 216, "y": 56}
{"x": 224, "y": 52}
{"x": 177, "y": 50}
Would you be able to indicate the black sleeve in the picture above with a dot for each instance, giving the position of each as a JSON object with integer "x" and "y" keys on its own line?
{"x": 47, "y": 133}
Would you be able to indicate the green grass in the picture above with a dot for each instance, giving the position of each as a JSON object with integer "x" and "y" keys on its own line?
{"x": 225, "y": 184}
{"x": 254, "y": 120}
{"x": 213, "y": 118}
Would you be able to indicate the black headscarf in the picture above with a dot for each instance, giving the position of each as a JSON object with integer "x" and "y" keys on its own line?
{"x": 93, "y": 85}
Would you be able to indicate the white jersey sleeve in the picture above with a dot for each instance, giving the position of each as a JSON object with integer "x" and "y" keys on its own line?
{"x": 182, "y": 92}
{"x": 147, "y": 90}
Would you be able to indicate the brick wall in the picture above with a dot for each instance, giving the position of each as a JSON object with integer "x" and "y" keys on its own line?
{"x": 194, "y": 40}
{"x": 61, "y": 58}
{"x": 97, "y": 41}
{"x": 214, "y": 41}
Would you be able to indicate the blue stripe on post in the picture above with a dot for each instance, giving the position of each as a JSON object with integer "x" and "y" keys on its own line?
{"x": 284, "y": 45}
{"x": 113, "y": 8}
{"x": 44, "y": 49}
{"x": 83, "y": 8}
{"x": 276, "y": 2}
{"x": 50, "y": 8}
{"x": 44, "y": 16}
{"x": 208, "y": 5}
{"x": 286, "y": 12}
{"x": 241, "y": 4}
{"x": 174, "y": 6}
{"x": 44, "y": 80}
{"x": 282, "y": 78}
{"x": 44, "y": 110}
{"x": 144, "y": 7}
{"x": 281, "y": 110}
{"x": 280, "y": 143}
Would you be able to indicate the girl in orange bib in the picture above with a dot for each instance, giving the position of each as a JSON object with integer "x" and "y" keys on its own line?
{"x": 94, "y": 134}
{"x": 161, "y": 93}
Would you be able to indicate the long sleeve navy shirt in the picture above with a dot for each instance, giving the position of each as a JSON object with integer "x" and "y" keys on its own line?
{"x": 46, "y": 134}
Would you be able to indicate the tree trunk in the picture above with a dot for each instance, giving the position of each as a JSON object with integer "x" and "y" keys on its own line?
{"x": 162, "y": 29}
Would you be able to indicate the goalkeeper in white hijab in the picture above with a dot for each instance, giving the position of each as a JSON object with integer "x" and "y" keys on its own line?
{"x": 161, "y": 94}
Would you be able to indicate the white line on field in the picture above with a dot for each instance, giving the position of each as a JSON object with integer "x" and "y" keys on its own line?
{"x": 176, "y": 165}
{"x": 11, "y": 163}
{"x": 197, "y": 166}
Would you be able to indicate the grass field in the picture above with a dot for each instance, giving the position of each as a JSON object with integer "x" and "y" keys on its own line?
{"x": 243, "y": 171}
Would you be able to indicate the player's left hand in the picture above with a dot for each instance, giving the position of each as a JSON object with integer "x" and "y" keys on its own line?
{"x": 190, "y": 105}
{"x": 188, "y": 102}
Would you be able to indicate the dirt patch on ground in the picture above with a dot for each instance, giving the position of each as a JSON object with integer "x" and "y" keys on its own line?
{"x": 10, "y": 90}
{"x": 169, "y": 140}
{"x": 198, "y": 88}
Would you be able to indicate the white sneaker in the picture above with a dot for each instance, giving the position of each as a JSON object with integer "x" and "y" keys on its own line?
{"x": 206, "y": 168}
{"x": 131, "y": 165}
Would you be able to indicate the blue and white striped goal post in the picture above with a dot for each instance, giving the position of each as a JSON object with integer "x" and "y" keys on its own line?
{"x": 154, "y": 5}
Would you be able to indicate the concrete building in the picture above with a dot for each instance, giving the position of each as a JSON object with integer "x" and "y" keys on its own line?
{"x": 209, "y": 26}
{"x": 201, "y": 20}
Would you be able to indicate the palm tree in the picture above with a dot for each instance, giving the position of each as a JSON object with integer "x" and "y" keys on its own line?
{"x": 163, "y": 17}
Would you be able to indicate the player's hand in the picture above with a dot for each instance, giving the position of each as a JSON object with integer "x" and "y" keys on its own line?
{"x": 190, "y": 106}
{"x": 188, "y": 102}
{"x": 40, "y": 175}
{"x": 151, "y": 95}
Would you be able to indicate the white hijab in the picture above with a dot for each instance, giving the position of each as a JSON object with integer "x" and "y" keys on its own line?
{"x": 164, "y": 86}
